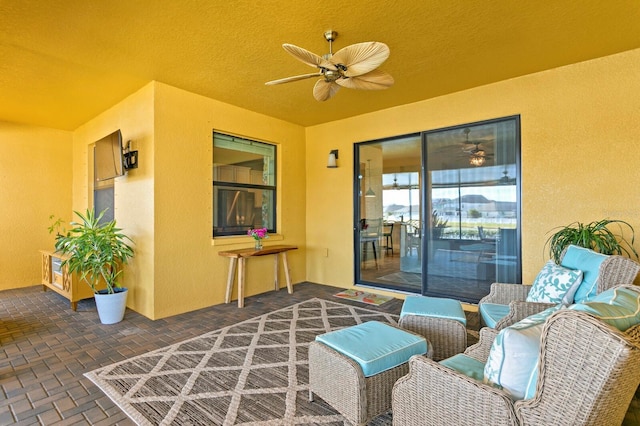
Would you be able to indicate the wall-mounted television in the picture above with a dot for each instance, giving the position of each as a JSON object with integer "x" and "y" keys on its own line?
{"x": 108, "y": 156}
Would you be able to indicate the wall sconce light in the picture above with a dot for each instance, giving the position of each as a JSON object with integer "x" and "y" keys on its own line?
{"x": 130, "y": 157}
{"x": 333, "y": 156}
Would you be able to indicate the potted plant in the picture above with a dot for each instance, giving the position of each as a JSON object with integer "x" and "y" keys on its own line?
{"x": 96, "y": 252}
{"x": 438, "y": 224}
{"x": 595, "y": 235}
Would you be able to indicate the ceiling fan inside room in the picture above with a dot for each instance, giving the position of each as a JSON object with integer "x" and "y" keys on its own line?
{"x": 506, "y": 180}
{"x": 477, "y": 154}
{"x": 353, "y": 67}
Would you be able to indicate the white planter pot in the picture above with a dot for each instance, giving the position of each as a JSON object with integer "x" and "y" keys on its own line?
{"x": 111, "y": 307}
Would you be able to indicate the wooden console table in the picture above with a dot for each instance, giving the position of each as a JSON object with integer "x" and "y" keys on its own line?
{"x": 57, "y": 278}
{"x": 238, "y": 257}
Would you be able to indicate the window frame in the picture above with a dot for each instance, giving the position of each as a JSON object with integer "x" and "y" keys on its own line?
{"x": 217, "y": 185}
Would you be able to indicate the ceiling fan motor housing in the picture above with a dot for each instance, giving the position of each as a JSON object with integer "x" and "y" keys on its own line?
{"x": 330, "y": 35}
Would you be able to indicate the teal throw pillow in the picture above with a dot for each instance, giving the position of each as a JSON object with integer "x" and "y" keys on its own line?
{"x": 513, "y": 357}
{"x": 588, "y": 261}
{"x": 618, "y": 307}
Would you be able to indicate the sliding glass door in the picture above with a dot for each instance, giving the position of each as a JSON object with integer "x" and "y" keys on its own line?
{"x": 438, "y": 213}
{"x": 389, "y": 212}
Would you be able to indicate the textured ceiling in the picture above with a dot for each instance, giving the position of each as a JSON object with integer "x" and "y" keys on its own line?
{"x": 63, "y": 62}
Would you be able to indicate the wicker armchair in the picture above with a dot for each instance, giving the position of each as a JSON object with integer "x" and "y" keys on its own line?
{"x": 587, "y": 375}
{"x": 614, "y": 271}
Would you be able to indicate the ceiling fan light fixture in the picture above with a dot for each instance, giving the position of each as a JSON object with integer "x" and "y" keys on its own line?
{"x": 477, "y": 155}
{"x": 477, "y": 159}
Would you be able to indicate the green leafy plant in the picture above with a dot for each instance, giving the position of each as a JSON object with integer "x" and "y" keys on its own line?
{"x": 475, "y": 214}
{"x": 57, "y": 226}
{"x": 595, "y": 236}
{"x": 96, "y": 251}
{"x": 438, "y": 224}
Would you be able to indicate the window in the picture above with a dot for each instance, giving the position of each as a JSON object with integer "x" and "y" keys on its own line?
{"x": 244, "y": 185}
{"x": 103, "y": 191}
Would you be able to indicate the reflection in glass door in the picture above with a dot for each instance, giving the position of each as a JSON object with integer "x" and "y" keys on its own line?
{"x": 389, "y": 213}
{"x": 472, "y": 196}
{"x": 438, "y": 213}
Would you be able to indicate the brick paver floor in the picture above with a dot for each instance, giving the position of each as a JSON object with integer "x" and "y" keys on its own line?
{"x": 45, "y": 348}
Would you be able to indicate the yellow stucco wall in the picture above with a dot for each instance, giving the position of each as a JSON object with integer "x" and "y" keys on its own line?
{"x": 579, "y": 127}
{"x": 133, "y": 193}
{"x": 188, "y": 272}
{"x": 35, "y": 182}
{"x": 579, "y": 124}
{"x": 166, "y": 204}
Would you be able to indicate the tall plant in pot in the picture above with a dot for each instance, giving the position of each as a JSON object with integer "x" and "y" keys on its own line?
{"x": 438, "y": 225}
{"x": 597, "y": 236}
{"x": 96, "y": 252}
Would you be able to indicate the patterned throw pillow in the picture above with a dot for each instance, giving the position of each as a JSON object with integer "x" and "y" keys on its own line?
{"x": 555, "y": 284}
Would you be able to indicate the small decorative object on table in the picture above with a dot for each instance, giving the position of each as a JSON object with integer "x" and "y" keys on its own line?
{"x": 258, "y": 234}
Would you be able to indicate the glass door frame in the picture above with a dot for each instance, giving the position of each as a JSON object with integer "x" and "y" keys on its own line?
{"x": 515, "y": 271}
{"x": 360, "y": 186}
{"x": 360, "y": 179}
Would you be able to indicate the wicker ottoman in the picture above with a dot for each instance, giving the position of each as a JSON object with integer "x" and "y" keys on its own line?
{"x": 441, "y": 321}
{"x": 354, "y": 369}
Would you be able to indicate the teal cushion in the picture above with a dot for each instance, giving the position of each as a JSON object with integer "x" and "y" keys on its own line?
{"x": 466, "y": 365}
{"x": 437, "y": 307}
{"x": 587, "y": 261}
{"x": 555, "y": 284}
{"x": 491, "y": 313}
{"x": 621, "y": 296}
{"x": 514, "y": 355}
{"x": 618, "y": 307}
{"x": 375, "y": 346}
{"x": 530, "y": 392}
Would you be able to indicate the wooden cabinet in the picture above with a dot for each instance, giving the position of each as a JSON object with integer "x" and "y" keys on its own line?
{"x": 241, "y": 174}
{"x": 57, "y": 278}
{"x": 257, "y": 177}
{"x": 237, "y": 174}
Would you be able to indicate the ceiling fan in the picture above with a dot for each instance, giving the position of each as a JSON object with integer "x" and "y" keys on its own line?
{"x": 506, "y": 180}
{"x": 477, "y": 154}
{"x": 353, "y": 67}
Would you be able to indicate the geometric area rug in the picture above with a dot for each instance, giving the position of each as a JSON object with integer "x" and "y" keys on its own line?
{"x": 251, "y": 373}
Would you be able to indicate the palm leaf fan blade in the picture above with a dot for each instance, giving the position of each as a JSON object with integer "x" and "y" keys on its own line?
{"x": 324, "y": 90}
{"x": 294, "y": 78}
{"x": 374, "y": 80}
{"x": 309, "y": 58}
{"x": 361, "y": 58}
